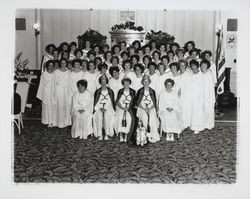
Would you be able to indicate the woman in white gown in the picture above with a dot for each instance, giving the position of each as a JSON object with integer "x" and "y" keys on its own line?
{"x": 61, "y": 116}
{"x": 75, "y": 75}
{"x": 124, "y": 113}
{"x": 45, "y": 94}
{"x": 127, "y": 72}
{"x": 170, "y": 111}
{"x": 174, "y": 67}
{"x": 197, "y": 98}
{"x": 185, "y": 93}
{"x": 147, "y": 109}
{"x": 153, "y": 74}
{"x": 91, "y": 77}
{"x": 115, "y": 82}
{"x": 209, "y": 94}
{"x": 104, "y": 110}
{"x": 47, "y": 56}
{"x": 138, "y": 68}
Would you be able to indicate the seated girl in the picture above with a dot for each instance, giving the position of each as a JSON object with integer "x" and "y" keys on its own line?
{"x": 170, "y": 111}
{"x": 104, "y": 110}
{"x": 124, "y": 112}
{"x": 141, "y": 134}
{"x": 82, "y": 106}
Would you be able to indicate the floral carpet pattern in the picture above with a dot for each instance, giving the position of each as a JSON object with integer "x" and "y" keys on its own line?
{"x": 51, "y": 155}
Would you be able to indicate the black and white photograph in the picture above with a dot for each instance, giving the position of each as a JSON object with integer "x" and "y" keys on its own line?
{"x": 125, "y": 96}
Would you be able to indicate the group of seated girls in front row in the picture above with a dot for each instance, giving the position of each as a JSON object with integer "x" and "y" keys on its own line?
{"x": 137, "y": 93}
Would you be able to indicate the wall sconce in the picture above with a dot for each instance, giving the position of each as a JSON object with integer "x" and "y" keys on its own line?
{"x": 36, "y": 27}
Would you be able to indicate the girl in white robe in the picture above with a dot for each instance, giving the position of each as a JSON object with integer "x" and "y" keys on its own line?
{"x": 127, "y": 72}
{"x": 61, "y": 116}
{"x": 209, "y": 94}
{"x": 174, "y": 75}
{"x": 197, "y": 98}
{"x": 104, "y": 111}
{"x": 153, "y": 75}
{"x": 115, "y": 82}
{"x": 138, "y": 68}
{"x": 74, "y": 77}
{"x": 170, "y": 111}
{"x": 91, "y": 77}
{"x": 147, "y": 109}
{"x": 185, "y": 94}
{"x": 45, "y": 94}
{"x": 82, "y": 106}
{"x": 47, "y": 56}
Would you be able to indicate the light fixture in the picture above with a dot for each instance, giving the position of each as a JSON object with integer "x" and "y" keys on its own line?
{"x": 36, "y": 27}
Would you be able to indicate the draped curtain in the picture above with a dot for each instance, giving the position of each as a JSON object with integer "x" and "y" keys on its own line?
{"x": 65, "y": 25}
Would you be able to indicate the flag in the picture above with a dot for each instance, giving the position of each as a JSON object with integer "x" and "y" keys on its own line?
{"x": 220, "y": 63}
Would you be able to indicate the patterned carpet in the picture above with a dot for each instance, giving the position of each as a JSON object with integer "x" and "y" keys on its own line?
{"x": 51, "y": 155}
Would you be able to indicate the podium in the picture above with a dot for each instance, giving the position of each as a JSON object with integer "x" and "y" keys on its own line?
{"x": 127, "y": 35}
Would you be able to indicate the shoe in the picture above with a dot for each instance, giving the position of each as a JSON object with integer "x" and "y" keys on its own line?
{"x": 106, "y": 137}
{"x": 196, "y": 132}
{"x": 100, "y": 138}
{"x": 172, "y": 137}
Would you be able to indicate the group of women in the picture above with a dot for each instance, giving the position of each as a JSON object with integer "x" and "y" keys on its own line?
{"x": 136, "y": 92}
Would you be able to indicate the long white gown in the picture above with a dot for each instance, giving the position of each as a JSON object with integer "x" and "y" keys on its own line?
{"x": 185, "y": 98}
{"x": 125, "y": 98}
{"x": 92, "y": 81}
{"x": 197, "y": 98}
{"x": 115, "y": 85}
{"x": 109, "y": 115}
{"x": 137, "y": 83}
{"x": 45, "y": 94}
{"x": 61, "y": 116}
{"x": 209, "y": 100}
{"x": 74, "y": 77}
{"x": 46, "y": 57}
{"x": 153, "y": 120}
{"x": 154, "y": 80}
{"x": 160, "y": 86}
{"x": 171, "y": 121}
{"x": 213, "y": 71}
{"x": 82, "y": 122}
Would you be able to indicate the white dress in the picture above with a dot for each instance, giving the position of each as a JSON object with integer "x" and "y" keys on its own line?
{"x": 46, "y": 57}
{"x": 160, "y": 86}
{"x": 209, "y": 100}
{"x": 137, "y": 83}
{"x": 177, "y": 82}
{"x": 120, "y": 114}
{"x": 74, "y": 77}
{"x": 115, "y": 85}
{"x": 213, "y": 71}
{"x": 153, "y": 120}
{"x": 109, "y": 115}
{"x": 82, "y": 122}
{"x": 61, "y": 116}
{"x": 154, "y": 80}
{"x": 45, "y": 94}
{"x": 170, "y": 120}
{"x": 131, "y": 75}
{"x": 185, "y": 98}
{"x": 197, "y": 98}
{"x": 92, "y": 81}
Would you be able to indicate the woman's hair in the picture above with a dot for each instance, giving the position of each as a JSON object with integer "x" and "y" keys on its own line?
{"x": 161, "y": 64}
{"x": 144, "y": 77}
{"x": 141, "y": 49}
{"x": 204, "y": 61}
{"x": 146, "y": 56}
{"x": 152, "y": 41}
{"x": 76, "y": 61}
{"x": 73, "y": 43}
{"x": 105, "y": 54}
{"x": 113, "y": 48}
{"x": 48, "y": 47}
{"x": 97, "y": 58}
{"x": 186, "y": 44}
{"x": 77, "y": 51}
{"x": 125, "y": 79}
{"x": 126, "y": 62}
{"x": 194, "y": 62}
{"x": 169, "y": 80}
{"x": 174, "y": 44}
{"x": 170, "y": 51}
{"x": 91, "y": 52}
{"x": 135, "y": 56}
{"x": 62, "y": 44}
{"x": 49, "y": 62}
{"x": 112, "y": 69}
{"x": 103, "y": 77}
{"x": 183, "y": 61}
{"x": 82, "y": 83}
{"x": 65, "y": 52}
{"x": 90, "y": 62}
{"x": 63, "y": 59}
{"x": 102, "y": 65}
{"x": 206, "y": 52}
{"x": 165, "y": 57}
{"x": 136, "y": 42}
{"x": 152, "y": 64}
{"x": 156, "y": 52}
{"x": 139, "y": 65}
{"x": 147, "y": 46}
{"x": 176, "y": 64}
{"x": 114, "y": 57}
{"x": 195, "y": 50}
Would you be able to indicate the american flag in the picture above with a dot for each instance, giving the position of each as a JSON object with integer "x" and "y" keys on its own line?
{"x": 220, "y": 63}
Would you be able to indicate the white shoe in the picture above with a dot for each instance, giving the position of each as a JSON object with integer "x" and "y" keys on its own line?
{"x": 172, "y": 137}
{"x": 106, "y": 137}
{"x": 196, "y": 132}
{"x": 100, "y": 138}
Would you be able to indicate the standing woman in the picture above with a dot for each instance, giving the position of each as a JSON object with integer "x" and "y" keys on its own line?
{"x": 47, "y": 56}
{"x": 104, "y": 110}
{"x": 91, "y": 77}
{"x": 174, "y": 67}
{"x": 86, "y": 49}
{"x": 115, "y": 80}
{"x": 124, "y": 113}
{"x": 61, "y": 116}
{"x": 147, "y": 109}
{"x": 45, "y": 94}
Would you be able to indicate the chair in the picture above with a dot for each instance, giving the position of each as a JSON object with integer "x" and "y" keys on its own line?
{"x": 19, "y": 122}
